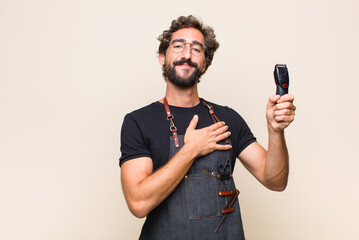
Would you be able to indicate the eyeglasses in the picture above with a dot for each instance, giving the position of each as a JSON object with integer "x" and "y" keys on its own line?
{"x": 178, "y": 46}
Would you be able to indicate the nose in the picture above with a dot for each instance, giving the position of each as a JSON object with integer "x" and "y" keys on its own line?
{"x": 186, "y": 53}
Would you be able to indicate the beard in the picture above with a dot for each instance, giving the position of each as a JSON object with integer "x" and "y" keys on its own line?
{"x": 170, "y": 73}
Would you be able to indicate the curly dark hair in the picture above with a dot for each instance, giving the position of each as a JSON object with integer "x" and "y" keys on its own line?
{"x": 211, "y": 43}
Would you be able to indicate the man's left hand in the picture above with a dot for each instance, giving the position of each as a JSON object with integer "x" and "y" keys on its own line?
{"x": 280, "y": 111}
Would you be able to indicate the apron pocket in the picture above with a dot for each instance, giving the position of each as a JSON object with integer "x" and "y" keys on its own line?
{"x": 202, "y": 196}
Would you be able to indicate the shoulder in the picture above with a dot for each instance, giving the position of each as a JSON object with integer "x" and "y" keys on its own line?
{"x": 230, "y": 116}
{"x": 149, "y": 109}
{"x": 143, "y": 114}
{"x": 146, "y": 121}
{"x": 222, "y": 109}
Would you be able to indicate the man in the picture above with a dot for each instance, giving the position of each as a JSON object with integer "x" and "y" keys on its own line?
{"x": 177, "y": 156}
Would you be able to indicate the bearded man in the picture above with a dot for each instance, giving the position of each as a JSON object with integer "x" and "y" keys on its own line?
{"x": 178, "y": 153}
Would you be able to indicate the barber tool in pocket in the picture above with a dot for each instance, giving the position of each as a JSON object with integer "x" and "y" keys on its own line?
{"x": 224, "y": 171}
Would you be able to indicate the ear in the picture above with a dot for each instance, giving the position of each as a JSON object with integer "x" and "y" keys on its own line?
{"x": 204, "y": 65}
{"x": 161, "y": 58}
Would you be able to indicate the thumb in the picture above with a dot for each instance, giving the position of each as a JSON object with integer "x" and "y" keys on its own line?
{"x": 193, "y": 124}
{"x": 272, "y": 101}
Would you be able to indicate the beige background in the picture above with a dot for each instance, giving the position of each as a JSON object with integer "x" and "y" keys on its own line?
{"x": 71, "y": 70}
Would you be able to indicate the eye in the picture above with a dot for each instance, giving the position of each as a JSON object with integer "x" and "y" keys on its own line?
{"x": 197, "y": 48}
{"x": 177, "y": 45}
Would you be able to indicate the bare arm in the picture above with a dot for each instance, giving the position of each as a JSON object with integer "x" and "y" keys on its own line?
{"x": 145, "y": 189}
{"x": 271, "y": 167}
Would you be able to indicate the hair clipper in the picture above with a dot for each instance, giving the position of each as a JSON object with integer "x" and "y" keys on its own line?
{"x": 281, "y": 78}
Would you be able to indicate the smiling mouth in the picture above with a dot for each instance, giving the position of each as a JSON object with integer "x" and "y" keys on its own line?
{"x": 185, "y": 65}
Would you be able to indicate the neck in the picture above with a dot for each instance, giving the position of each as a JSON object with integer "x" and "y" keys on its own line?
{"x": 181, "y": 97}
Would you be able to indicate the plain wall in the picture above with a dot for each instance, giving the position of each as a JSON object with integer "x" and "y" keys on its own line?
{"x": 71, "y": 70}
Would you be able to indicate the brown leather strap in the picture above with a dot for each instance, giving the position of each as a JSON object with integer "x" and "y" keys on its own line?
{"x": 168, "y": 112}
{"x": 232, "y": 200}
{"x": 224, "y": 176}
{"x": 211, "y": 112}
{"x": 229, "y": 207}
{"x": 170, "y": 118}
{"x": 225, "y": 193}
{"x": 227, "y": 210}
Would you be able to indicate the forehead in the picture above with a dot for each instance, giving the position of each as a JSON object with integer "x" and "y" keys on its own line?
{"x": 189, "y": 35}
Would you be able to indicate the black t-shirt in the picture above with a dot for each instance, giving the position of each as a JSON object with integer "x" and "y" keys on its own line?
{"x": 145, "y": 132}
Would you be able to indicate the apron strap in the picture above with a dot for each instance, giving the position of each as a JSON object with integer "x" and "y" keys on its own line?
{"x": 173, "y": 128}
{"x": 211, "y": 112}
{"x": 170, "y": 118}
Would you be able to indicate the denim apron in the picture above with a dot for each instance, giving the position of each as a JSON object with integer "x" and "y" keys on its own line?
{"x": 193, "y": 210}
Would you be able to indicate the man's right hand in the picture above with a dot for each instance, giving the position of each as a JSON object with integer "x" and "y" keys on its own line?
{"x": 204, "y": 141}
{"x": 145, "y": 189}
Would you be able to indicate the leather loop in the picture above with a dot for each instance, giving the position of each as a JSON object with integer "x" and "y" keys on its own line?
{"x": 227, "y": 210}
{"x": 224, "y": 176}
{"x": 225, "y": 193}
{"x": 175, "y": 138}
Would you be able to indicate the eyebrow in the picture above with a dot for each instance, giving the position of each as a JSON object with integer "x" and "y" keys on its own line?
{"x": 182, "y": 40}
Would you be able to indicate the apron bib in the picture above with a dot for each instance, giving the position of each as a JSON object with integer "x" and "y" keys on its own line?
{"x": 193, "y": 211}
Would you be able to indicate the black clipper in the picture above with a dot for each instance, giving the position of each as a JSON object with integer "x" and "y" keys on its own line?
{"x": 281, "y": 78}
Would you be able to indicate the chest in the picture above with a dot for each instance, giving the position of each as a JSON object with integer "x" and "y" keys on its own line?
{"x": 158, "y": 138}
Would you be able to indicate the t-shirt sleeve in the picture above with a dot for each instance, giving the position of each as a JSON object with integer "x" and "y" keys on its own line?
{"x": 133, "y": 143}
{"x": 245, "y": 135}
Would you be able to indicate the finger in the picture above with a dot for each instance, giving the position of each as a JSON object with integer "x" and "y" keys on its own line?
{"x": 286, "y": 112}
{"x": 286, "y": 98}
{"x": 193, "y": 124}
{"x": 284, "y": 105}
{"x": 215, "y": 126}
{"x": 222, "y": 136}
{"x": 284, "y": 118}
{"x": 223, "y": 147}
{"x": 220, "y": 130}
{"x": 272, "y": 101}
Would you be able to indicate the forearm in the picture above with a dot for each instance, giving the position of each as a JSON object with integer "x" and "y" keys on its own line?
{"x": 154, "y": 188}
{"x": 144, "y": 189}
{"x": 277, "y": 161}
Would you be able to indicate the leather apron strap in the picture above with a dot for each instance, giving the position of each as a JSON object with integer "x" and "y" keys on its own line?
{"x": 173, "y": 128}
{"x": 170, "y": 118}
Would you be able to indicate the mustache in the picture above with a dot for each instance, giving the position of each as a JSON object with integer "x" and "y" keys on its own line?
{"x": 183, "y": 61}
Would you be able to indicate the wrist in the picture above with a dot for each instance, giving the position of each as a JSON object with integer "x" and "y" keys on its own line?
{"x": 273, "y": 131}
{"x": 190, "y": 152}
